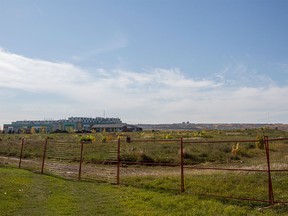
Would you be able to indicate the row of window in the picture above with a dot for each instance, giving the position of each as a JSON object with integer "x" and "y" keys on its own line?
{"x": 97, "y": 120}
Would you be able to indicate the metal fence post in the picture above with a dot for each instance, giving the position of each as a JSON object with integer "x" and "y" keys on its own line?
{"x": 21, "y": 151}
{"x": 44, "y": 155}
{"x": 81, "y": 159}
{"x": 270, "y": 188}
{"x": 182, "y": 165}
{"x": 118, "y": 162}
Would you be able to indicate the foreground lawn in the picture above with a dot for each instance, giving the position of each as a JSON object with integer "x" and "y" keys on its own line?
{"x": 26, "y": 193}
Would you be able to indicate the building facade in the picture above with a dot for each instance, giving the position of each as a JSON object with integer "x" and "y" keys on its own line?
{"x": 46, "y": 126}
{"x": 119, "y": 127}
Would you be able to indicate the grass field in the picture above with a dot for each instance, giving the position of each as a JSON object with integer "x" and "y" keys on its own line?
{"x": 146, "y": 151}
{"x": 144, "y": 190}
{"x": 26, "y": 193}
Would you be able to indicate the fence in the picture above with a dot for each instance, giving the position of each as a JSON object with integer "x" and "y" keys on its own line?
{"x": 203, "y": 167}
{"x": 260, "y": 172}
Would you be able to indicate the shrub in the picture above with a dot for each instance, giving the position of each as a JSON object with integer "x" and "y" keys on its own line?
{"x": 260, "y": 143}
{"x": 88, "y": 138}
{"x": 193, "y": 158}
{"x": 138, "y": 156}
{"x": 129, "y": 157}
{"x": 168, "y": 136}
{"x": 142, "y": 157}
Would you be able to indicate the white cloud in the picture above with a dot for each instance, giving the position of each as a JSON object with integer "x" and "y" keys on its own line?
{"x": 33, "y": 88}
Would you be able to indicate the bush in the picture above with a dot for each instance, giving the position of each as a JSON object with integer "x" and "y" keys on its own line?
{"x": 168, "y": 136}
{"x": 145, "y": 158}
{"x": 260, "y": 143}
{"x": 139, "y": 156}
{"x": 193, "y": 158}
{"x": 88, "y": 138}
{"x": 104, "y": 140}
{"x": 129, "y": 157}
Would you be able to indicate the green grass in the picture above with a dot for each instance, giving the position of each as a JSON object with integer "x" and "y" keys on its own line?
{"x": 25, "y": 193}
{"x": 237, "y": 185}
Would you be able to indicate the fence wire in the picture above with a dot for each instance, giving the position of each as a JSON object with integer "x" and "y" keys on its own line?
{"x": 234, "y": 169}
{"x": 99, "y": 161}
{"x": 146, "y": 163}
{"x": 279, "y": 168}
{"x": 10, "y": 151}
{"x": 236, "y": 175}
{"x": 62, "y": 158}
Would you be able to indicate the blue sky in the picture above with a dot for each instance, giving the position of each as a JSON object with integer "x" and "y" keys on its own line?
{"x": 145, "y": 61}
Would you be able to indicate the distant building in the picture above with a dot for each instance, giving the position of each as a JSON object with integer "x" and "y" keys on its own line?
{"x": 71, "y": 124}
{"x": 120, "y": 127}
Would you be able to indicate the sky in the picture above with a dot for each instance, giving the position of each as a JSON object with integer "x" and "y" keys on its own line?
{"x": 144, "y": 61}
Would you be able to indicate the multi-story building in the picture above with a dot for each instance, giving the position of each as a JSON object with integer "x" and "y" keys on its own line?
{"x": 47, "y": 126}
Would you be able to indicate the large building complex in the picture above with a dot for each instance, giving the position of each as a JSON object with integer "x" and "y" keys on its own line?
{"x": 71, "y": 124}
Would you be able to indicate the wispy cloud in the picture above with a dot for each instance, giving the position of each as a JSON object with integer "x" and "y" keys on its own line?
{"x": 33, "y": 88}
{"x": 113, "y": 44}
{"x": 239, "y": 74}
